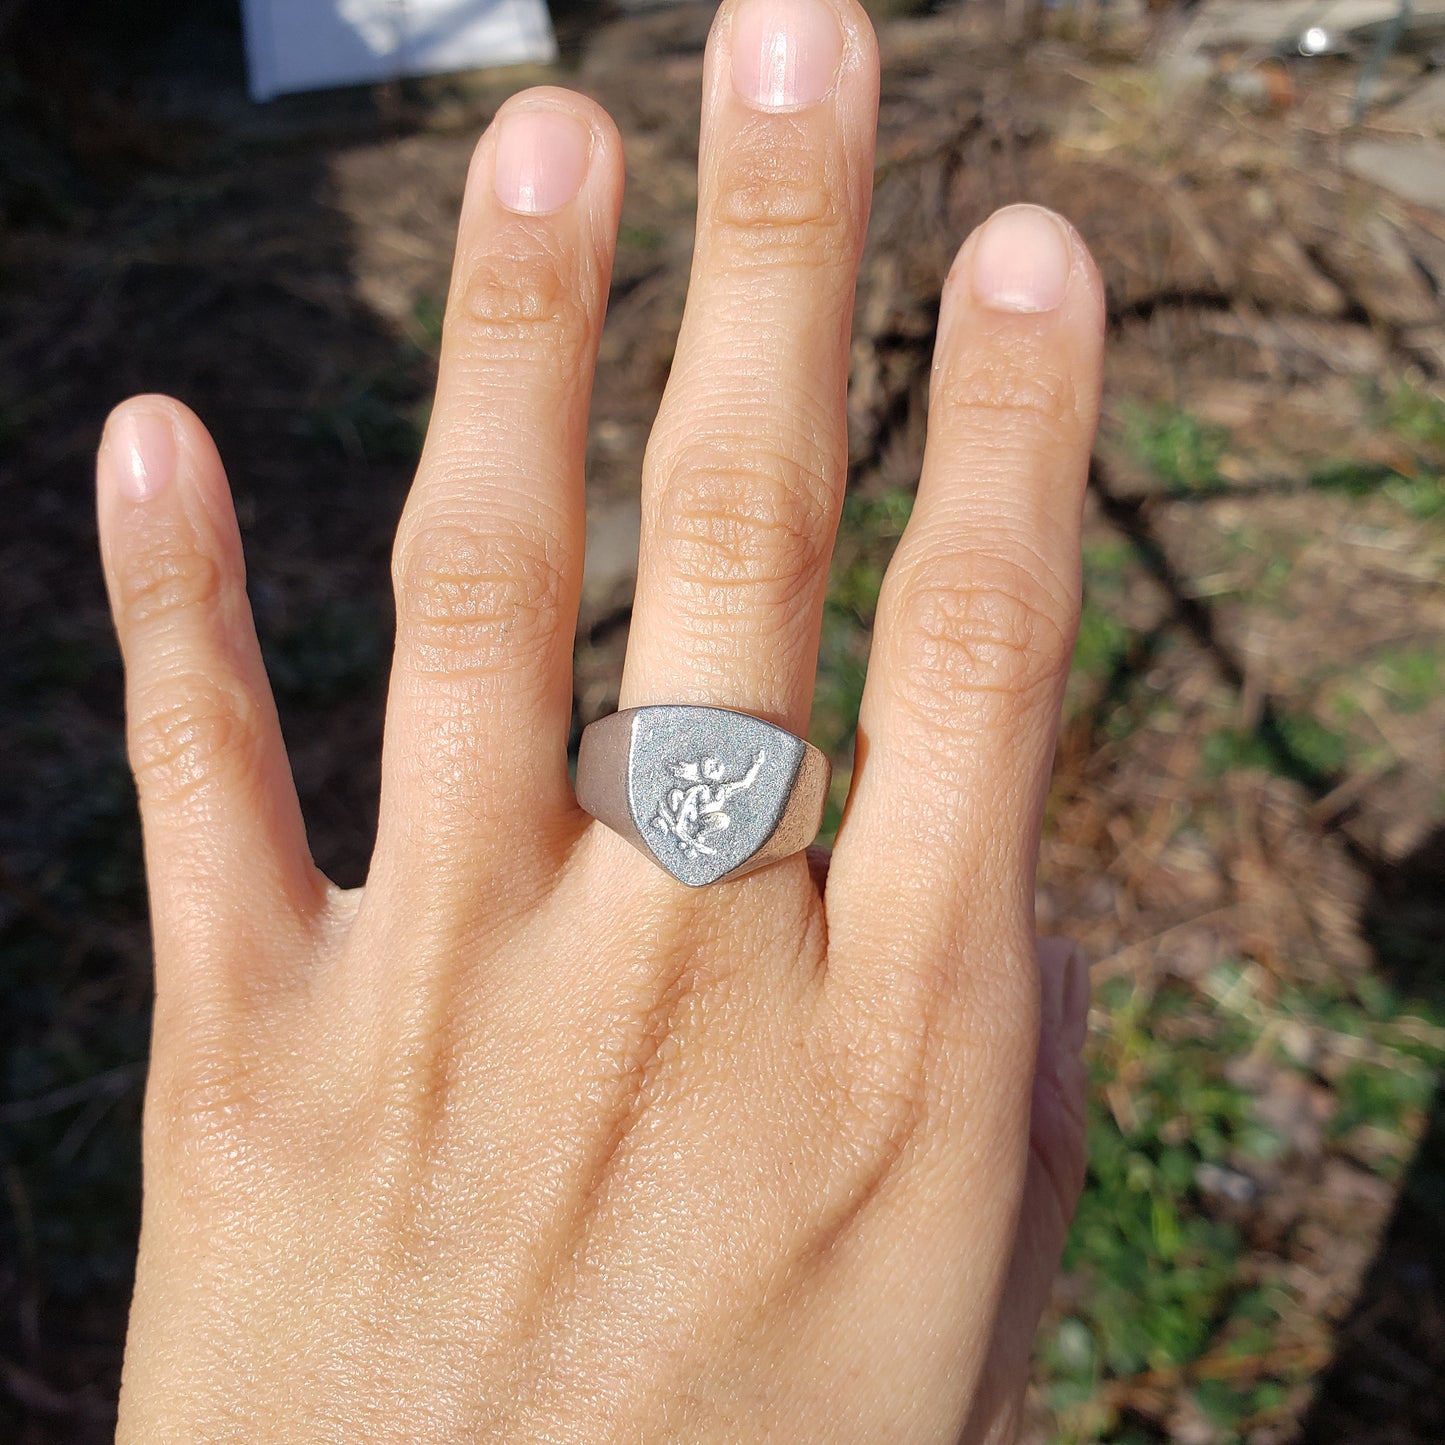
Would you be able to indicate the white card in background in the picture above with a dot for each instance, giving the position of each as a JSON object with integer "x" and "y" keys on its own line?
{"x": 312, "y": 44}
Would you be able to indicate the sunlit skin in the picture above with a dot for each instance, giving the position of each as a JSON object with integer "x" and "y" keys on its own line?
{"x": 525, "y": 1141}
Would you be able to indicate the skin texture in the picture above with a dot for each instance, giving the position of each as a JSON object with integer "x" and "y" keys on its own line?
{"x": 466, "y": 1156}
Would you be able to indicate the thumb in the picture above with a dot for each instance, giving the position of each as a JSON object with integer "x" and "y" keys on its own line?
{"x": 1051, "y": 1190}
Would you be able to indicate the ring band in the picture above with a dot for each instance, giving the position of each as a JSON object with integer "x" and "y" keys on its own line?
{"x": 705, "y": 792}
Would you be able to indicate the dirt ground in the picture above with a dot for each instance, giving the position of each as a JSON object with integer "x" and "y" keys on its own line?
{"x": 1249, "y": 806}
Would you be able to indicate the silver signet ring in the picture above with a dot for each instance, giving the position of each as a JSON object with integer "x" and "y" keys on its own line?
{"x": 706, "y": 792}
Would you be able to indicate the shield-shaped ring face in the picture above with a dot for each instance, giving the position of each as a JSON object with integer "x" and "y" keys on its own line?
{"x": 708, "y": 787}
{"x": 707, "y": 792}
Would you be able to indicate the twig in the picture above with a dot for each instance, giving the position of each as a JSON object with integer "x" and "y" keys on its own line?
{"x": 1126, "y": 958}
{"x": 35, "y": 1395}
{"x": 108, "y": 1084}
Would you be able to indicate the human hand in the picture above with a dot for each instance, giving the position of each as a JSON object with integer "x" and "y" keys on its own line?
{"x": 524, "y": 1140}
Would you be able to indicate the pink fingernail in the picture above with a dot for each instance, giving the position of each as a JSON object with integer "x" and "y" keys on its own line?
{"x": 1063, "y": 996}
{"x": 140, "y": 452}
{"x": 541, "y": 160}
{"x": 785, "y": 52}
{"x": 1074, "y": 1008}
{"x": 1022, "y": 260}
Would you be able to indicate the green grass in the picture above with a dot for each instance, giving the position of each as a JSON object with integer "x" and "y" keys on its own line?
{"x": 1160, "y": 1266}
{"x": 1412, "y": 677}
{"x": 1369, "y": 1099}
{"x": 1107, "y": 565}
{"x": 1102, "y": 643}
{"x": 1107, "y": 651}
{"x": 429, "y": 313}
{"x": 1420, "y": 494}
{"x": 1159, "y": 1271}
{"x": 640, "y": 238}
{"x": 1291, "y": 745}
{"x": 1415, "y": 418}
{"x": 378, "y": 419}
{"x": 867, "y": 534}
{"x": 1182, "y": 452}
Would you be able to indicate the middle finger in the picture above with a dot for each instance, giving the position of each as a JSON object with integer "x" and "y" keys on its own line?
{"x": 745, "y": 469}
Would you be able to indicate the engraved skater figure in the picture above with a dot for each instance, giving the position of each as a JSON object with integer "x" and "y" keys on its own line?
{"x": 691, "y": 813}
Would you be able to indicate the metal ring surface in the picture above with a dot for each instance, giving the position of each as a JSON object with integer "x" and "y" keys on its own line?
{"x": 707, "y": 793}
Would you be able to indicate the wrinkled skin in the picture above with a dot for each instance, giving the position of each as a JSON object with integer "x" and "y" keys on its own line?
{"x": 524, "y": 1141}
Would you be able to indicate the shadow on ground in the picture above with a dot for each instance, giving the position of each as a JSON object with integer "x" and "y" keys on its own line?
{"x": 151, "y": 243}
{"x": 1385, "y": 1381}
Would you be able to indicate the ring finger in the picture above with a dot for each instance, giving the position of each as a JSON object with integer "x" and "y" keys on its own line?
{"x": 745, "y": 469}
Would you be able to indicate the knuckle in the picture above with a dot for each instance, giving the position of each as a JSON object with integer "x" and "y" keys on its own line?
{"x": 781, "y": 203}
{"x": 211, "y": 1123}
{"x": 986, "y": 394}
{"x": 885, "y": 1093}
{"x": 743, "y": 521}
{"x": 990, "y": 633}
{"x": 522, "y": 300}
{"x": 944, "y": 1029}
{"x": 886, "y": 1071}
{"x": 185, "y": 731}
{"x": 197, "y": 1108}
{"x": 165, "y": 581}
{"x": 473, "y": 604}
{"x": 872, "y": 1105}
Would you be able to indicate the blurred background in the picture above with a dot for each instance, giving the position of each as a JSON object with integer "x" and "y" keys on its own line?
{"x": 1247, "y": 827}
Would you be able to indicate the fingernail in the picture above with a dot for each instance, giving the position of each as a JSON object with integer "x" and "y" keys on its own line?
{"x": 1022, "y": 260}
{"x": 1063, "y": 996}
{"x": 785, "y": 53}
{"x": 1074, "y": 1010}
{"x": 139, "y": 450}
{"x": 541, "y": 160}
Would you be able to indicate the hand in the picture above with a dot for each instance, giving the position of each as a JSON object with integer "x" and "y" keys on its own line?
{"x": 525, "y": 1141}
